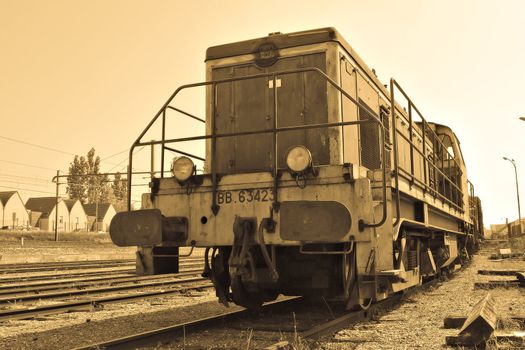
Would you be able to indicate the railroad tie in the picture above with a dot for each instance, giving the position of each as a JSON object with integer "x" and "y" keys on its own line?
{"x": 479, "y": 324}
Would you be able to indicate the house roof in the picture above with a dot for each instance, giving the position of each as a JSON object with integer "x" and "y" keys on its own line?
{"x": 70, "y": 203}
{"x": 42, "y": 204}
{"x": 5, "y": 196}
{"x": 91, "y": 209}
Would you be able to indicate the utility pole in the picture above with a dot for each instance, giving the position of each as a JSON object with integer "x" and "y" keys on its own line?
{"x": 517, "y": 191}
{"x": 152, "y": 160}
{"x": 96, "y": 212}
{"x": 56, "y": 208}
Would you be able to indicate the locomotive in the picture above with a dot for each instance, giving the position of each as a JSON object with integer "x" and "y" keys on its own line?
{"x": 317, "y": 180}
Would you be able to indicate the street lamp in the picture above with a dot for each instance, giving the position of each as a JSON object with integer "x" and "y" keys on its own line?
{"x": 517, "y": 190}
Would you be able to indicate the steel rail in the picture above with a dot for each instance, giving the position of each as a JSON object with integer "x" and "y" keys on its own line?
{"x": 15, "y": 284}
{"x": 93, "y": 276}
{"x": 54, "y": 268}
{"x": 61, "y": 263}
{"x": 64, "y": 276}
{"x": 23, "y": 298}
{"x": 168, "y": 333}
{"x": 80, "y": 267}
{"x": 21, "y": 314}
{"x": 66, "y": 263}
{"x": 53, "y": 278}
{"x": 9, "y": 290}
{"x": 354, "y": 317}
{"x": 350, "y": 318}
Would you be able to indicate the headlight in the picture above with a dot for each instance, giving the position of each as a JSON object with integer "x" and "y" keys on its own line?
{"x": 298, "y": 159}
{"x": 182, "y": 168}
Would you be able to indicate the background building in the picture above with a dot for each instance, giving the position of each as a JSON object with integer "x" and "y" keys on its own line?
{"x": 106, "y": 211}
{"x": 77, "y": 219}
{"x": 12, "y": 210}
{"x": 43, "y": 213}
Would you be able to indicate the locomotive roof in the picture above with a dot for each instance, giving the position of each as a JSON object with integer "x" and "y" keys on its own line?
{"x": 282, "y": 41}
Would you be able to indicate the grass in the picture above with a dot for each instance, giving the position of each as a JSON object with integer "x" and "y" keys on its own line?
{"x": 92, "y": 237}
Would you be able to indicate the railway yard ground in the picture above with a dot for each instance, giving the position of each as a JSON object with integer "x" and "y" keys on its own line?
{"x": 67, "y": 302}
{"x": 34, "y": 247}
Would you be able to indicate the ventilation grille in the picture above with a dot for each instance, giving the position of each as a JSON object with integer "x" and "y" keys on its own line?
{"x": 370, "y": 155}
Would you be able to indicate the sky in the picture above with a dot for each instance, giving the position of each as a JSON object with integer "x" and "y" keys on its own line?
{"x": 82, "y": 74}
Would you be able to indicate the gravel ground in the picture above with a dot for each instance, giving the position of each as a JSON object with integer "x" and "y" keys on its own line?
{"x": 66, "y": 331}
{"x": 418, "y": 322}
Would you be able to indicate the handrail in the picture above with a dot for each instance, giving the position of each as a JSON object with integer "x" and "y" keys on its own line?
{"x": 373, "y": 117}
{"x": 454, "y": 190}
{"x": 187, "y": 114}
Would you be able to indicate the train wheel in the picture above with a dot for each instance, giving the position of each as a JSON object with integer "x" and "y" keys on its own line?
{"x": 250, "y": 300}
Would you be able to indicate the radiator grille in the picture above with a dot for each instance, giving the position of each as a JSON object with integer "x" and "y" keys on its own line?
{"x": 369, "y": 136}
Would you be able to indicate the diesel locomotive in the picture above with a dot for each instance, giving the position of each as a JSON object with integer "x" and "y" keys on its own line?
{"x": 316, "y": 180}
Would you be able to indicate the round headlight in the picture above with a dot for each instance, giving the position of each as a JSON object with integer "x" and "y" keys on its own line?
{"x": 182, "y": 168}
{"x": 298, "y": 159}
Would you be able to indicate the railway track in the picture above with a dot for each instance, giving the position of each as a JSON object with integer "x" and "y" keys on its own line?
{"x": 54, "y": 278}
{"x": 83, "y": 283}
{"x": 243, "y": 320}
{"x": 76, "y": 265}
{"x": 308, "y": 323}
{"x": 93, "y": 303}
{"x": 129, "y": 270}
{"x": 48, "y": 277}
{"x": 168, "y": 333}
{"x": 90, "y": 286}
{"x": 22, "y": 268}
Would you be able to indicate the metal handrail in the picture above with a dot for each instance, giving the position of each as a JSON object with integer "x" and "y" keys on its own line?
{"x": 393, "y": 109}
{"x": 373, "y": 117}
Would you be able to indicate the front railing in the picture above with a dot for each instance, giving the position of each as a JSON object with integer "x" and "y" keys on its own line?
{"x": 275, "y": 130}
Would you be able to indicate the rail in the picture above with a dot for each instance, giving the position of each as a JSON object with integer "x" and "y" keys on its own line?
{"x": 275, "y": 130}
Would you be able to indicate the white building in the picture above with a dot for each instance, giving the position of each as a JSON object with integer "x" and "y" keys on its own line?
{"x": 105, "y": 212}
{"x": 12, "y": 210}
{"x": 77, "y": 219}
{"x": 43, "y": 213}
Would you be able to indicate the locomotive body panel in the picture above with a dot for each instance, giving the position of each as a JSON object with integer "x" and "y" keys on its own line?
{"x": 251, "y": 195}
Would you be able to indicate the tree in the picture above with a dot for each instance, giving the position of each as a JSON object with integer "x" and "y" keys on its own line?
{"x": 85, "y": 182}
{"x": 119, "y": 189}
{"x": 76, "y": 183}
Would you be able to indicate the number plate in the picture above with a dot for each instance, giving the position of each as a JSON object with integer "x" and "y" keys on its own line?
{"x": 245, "y": 196}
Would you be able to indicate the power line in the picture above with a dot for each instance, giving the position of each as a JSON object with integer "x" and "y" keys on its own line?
{"x": 28, "y": 165}
{"x": 41, "y": 179}
{"x": 125, "y": 159}
{"x": 35, "y": 145}
{"x": 116, "y": 154}
{"x": 26, "y": 183}
{"x": 57, "y": 150}
{"x": 24, "y": 190}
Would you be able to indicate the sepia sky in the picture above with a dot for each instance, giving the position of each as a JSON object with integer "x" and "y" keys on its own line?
{"x": 82, "y": 74}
